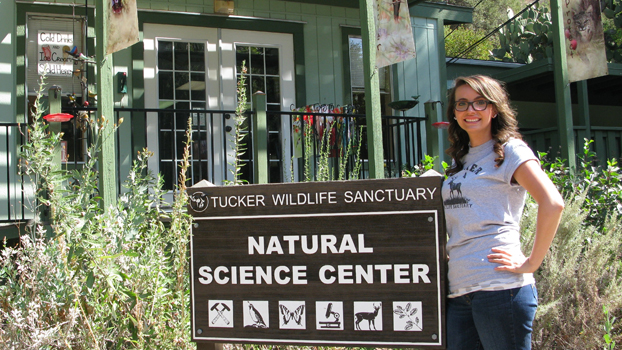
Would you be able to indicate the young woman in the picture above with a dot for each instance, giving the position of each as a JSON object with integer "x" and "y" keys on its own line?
{"x": 492, "y": 296}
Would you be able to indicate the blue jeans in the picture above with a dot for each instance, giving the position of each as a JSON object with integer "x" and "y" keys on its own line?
{"x": 492, "y": 320}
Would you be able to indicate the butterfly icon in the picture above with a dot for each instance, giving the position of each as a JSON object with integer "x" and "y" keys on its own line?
{"x": 296, "y": 315}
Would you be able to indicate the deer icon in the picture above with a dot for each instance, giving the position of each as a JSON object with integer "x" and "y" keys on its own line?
{"x": 369, "y": 316}
{"x": 454, "y": 187}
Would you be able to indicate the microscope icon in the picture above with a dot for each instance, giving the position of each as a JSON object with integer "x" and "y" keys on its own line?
{"x": 331, "y": 317}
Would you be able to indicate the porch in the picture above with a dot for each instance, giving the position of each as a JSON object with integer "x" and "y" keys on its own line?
{"x": 297, "y": 146}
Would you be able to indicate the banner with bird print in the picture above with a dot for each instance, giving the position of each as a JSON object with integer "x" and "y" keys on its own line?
{"x": 394, "y": 36}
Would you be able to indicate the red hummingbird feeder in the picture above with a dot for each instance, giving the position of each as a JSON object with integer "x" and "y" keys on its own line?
{"x": 58, "y": 117}
{"x": 441, "y": 125}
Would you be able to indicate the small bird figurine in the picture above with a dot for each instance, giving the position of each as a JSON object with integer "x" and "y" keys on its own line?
{"x": 73, "y": 51}
{"x": 79, "y": 55}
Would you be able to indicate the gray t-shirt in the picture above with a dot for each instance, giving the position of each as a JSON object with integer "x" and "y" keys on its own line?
{"x": 483, "y": 210}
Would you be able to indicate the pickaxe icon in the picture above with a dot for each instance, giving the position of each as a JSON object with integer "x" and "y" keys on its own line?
{"x": 220, "y": 314}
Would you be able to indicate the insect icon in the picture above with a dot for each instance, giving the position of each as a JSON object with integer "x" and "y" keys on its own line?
{"x": 292, "y": 315}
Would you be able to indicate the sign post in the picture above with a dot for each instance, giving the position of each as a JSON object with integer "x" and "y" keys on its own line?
{"x": 356, "y": 263}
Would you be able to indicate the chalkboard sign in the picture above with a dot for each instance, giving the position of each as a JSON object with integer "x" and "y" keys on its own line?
{"x": 354, "y": 263}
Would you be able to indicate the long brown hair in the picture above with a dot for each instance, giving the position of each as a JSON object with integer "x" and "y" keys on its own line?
{"x": 503, "y": 127}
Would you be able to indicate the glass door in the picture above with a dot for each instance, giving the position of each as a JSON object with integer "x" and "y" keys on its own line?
{"x": 190, "y": 69}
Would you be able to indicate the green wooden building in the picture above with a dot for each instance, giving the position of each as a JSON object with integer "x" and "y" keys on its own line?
{"x": 186, "y": 64}
{"x": 298, "y": 53}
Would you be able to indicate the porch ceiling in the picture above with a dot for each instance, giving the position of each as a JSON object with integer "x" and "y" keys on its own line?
{"x": 534, "y": 82}
{"x": 346, "y": 3}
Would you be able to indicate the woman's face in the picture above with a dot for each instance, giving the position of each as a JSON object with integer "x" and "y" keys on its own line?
{"x": 476, "y": 123}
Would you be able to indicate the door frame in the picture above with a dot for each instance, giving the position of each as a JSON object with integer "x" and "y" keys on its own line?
{"x": 220, "y": 80}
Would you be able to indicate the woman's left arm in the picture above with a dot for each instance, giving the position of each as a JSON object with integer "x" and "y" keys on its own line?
{"x": 550, "y": 207}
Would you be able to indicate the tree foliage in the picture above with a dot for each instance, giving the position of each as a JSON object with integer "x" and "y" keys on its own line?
{"x": 612, "y": 25}
{"x": 527, "y": 38}
{"x": 463, "y": 37}
{"x": 487, "y": 15}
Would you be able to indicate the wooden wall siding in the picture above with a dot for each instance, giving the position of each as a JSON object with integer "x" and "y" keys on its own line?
{"x": 420, "y": 76}
{"x": 7, "y": 57}
{"x": 323, "y": 50}
{"x": 322, "y": 37}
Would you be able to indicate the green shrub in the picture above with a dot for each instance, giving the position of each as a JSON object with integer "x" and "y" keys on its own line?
{"x": 602, "y": 184}
{"x": 96, "y": 278}
{"x": 580, "y": 276}
{"x": 582, "y": 273}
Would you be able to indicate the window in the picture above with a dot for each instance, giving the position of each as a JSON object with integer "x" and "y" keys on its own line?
{"x": 263, "y": 74}
{"x": 49, "y": 38}
{"x": 357, "y": 78}
{"x": 181, "y": 86}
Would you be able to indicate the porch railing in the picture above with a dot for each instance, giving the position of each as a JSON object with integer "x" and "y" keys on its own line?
{"x": 13, "y": 188}
{"x": 607, "y": 141}
{"x": 163, "y": 131}
{"x": 331, "y": 137}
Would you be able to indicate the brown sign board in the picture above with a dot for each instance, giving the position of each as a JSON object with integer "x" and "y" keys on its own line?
{"x": 348, "y": 263}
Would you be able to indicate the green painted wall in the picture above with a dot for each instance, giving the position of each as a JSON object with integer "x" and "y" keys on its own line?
{"x": 8, "y": 136}
{"x": 532, "y": 115}
{"x": 320, "y": 51}
{"x": 318, "y": 41}
{"x": 7, "y": 61}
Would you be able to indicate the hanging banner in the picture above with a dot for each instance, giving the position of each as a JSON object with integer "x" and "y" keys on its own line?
{"x": 122, "y": 25}
{"x": 52, "y": 56}
{"x": 394, "y": 36}
{"x": 585, "y": 44}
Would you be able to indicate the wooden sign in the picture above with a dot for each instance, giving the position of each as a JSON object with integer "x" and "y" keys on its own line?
{"x": 355, "y": 263}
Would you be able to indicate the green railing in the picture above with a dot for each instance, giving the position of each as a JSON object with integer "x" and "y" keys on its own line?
{"x": 607, "y": 141}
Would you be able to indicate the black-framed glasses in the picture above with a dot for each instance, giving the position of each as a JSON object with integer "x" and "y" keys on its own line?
{"x": 478, "y": 105}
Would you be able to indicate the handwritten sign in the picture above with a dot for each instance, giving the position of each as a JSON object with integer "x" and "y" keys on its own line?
{"x": 356, "y": 263}
{"x": 52, "y": 55}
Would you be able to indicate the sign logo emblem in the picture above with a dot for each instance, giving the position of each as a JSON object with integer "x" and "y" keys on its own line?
{"x": 199, "y": 202}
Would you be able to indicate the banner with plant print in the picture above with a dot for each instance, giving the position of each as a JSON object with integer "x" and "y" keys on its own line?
{"x": 394, "y": 36}
{"x": 585, "y": 43}
{"x": 324, "y": 123}
{"x": 122, "y": 25}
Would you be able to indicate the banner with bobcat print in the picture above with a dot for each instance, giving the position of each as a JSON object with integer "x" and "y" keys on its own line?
{"x": 122, "y": 25}
{"x": 585, "y": 44}
{"x": 394, "y": 36}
